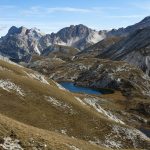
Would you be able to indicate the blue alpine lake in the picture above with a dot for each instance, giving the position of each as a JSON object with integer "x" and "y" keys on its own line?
{"x": 145, "y": 131}
{"x": 77, "y": 89}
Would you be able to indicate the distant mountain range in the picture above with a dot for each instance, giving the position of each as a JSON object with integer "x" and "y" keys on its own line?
{"x": 21, "y": 43}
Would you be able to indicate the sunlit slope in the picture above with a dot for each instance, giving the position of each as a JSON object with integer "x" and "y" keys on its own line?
{"x": 30, "y": 98}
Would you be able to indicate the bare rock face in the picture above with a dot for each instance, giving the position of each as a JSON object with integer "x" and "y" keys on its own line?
{"x": 78, "y": 36}
{"x": 20, "y": 43}
{"x": 132, "y": 39}
{"x": 134, "y": 49}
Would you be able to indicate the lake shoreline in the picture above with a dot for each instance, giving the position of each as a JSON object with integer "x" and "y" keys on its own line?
{"x": 71, "y": 86}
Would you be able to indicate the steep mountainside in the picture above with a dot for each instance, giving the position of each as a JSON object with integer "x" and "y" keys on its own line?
{"x": 20, "y": 43}
{"x": 130, "y": 29}
{"x": 59, "y": 51}
{"x": 135, "y": 49}
{"x": 95, "y": 49}
{"x": 78, "y": 36}
{"x": 37, "y": 113}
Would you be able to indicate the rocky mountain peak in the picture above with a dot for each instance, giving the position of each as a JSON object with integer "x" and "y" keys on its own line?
{"x": 14, "y": 30}
{"x": 74, "y": 30}
{"x": 23, "y": 41}
{"x": 24, "y": 31}
{"x": 146, "y": 20}
{"x": 77, "y": 36}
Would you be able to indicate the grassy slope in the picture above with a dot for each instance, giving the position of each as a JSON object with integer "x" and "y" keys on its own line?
{"x": 34, "y": 110}
{"x": 54, "y": 141}
{"x": 77, "y": 120}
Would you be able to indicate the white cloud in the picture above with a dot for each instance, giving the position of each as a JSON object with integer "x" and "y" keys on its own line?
{"x": 126, "y": 16}
{"x": 37, "y": 10}
{"x": 68, "y": 9}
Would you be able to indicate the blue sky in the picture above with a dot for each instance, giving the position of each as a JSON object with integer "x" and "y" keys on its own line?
{"x": 52, "y": 15}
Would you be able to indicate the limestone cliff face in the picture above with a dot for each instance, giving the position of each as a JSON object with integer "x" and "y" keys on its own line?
{"x": 21, "y": 43}
{"x": 134, "y": 49}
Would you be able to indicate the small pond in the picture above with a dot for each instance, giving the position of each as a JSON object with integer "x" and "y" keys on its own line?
{"x": 77, "y": 89}
{"x": 145, "y": 131}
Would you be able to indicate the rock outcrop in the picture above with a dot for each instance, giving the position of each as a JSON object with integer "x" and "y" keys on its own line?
{"x": 134, "y": 49}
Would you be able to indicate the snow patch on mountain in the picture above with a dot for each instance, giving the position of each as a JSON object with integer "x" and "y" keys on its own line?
{"x": 95, "y": 37}
{"x": 37, "y": 50}
{"x": 60, "y": 87}
{"x": 38, "y": 77}
{"x": 72, "y": 147}
{"x": 133, "y": 135}
{"x": 64, "y": 131}
{"x": 10, "y": 86}
{"x": 94, "y": 103}
{"x": 57, "y": 103}
{"x": 78, "y": 99}
{"x": 11, "y": 144}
